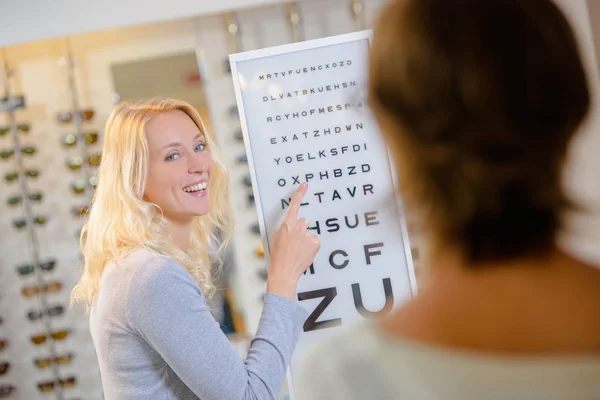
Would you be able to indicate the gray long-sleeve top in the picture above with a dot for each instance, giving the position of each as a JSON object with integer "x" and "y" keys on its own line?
{"x": 156, "y": 339}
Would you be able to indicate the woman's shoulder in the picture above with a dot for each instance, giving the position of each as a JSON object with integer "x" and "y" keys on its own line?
{"x": 149, "y": 266}
{"x": 145, "y": 270}
{"x": 143, "y": 256}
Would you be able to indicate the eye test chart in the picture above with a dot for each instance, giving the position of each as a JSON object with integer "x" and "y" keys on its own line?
{"x": 305, "y": 119}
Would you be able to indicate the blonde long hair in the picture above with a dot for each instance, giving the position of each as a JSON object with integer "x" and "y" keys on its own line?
{"x": 120, "y": 221}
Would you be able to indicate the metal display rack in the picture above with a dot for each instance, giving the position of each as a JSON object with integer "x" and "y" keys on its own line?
{"x": 9, "y": 105}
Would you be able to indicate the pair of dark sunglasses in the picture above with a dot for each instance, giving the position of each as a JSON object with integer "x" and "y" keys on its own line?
{"x": 250, "y": 200}
{"x": 242, "y": 159}
{"x": 51, "y": 312}
{"x": 3, "y": 344}
{"x": 263, "y": 274}
{"x": 51, "y": 287}
{"x": 227, "y": 66}
{"x": 255, "y": 228}
{"x": 6, "y": 390}
{"x": 4, "y": 366}
{"x": 4, "y": 129}
{"x": 48, "y": 361}
{"x": 8, "y": 153}
{"x": 21, "y": 223}
{"x": 247, "y": 181}
{"x": 49, "y": 386}
{"x": 14, "y": 175}
{"x": 239, "y": 136}
{"x": 41, "y": 338}
{"x": 68, "y": 116}
{"x": 75, "y": 163}
{"x": 27, "y": 269}
{"x": 233, "y": 111}
{"x": 71, "y": 139}
{"x": 18, "y": 199}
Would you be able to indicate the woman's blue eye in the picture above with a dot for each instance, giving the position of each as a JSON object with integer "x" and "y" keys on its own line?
{"x": 172, "y": 157}
{"x": 200, "y": 147}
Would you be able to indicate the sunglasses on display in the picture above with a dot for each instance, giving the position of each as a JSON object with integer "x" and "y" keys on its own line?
{"x": 233, "y": 111}
{"x": 247, "y": 181}
{"x": 75, "y": 163}
{"x": 250, "y": 200}
{"x": 239, "y": 136}
{"x": 242, "y": 159}
{"x": 8, "y": 153}
{"x": 263, "y": 274}
{"x": 88, "y": 138}
{"x": 6, "y": 390}
{"x": 59, "y": 360}
{"x": 22, "y": 222}
{"x": 227, "y": 66}
{"x": 415, "y": 253}
{"x": 49, "y": 386}
{"x": 30, "y": 268}
{"x": 79, "y": 186}
{"x": 42, "y": 337}
{"x": 3, "y": 344}
{"x": 18, "y": 199}
{"x": 255, "y": 228}
{"x": 51, "y": 312}
{"x": 80, "y": 211}
{"x": 4, "y": 129}
{"x": 52, "y": 287}
{"x": 4, "y": 366}
{"x": 14, "y": 175}
{"x": 259, "y": 250}
{"x": 68, "y": 116}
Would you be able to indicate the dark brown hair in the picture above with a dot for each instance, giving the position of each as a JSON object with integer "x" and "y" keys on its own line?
{"x": 478, "y": 100}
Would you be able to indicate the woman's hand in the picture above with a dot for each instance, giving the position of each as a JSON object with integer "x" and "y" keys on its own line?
{"x": 294, "y": 249}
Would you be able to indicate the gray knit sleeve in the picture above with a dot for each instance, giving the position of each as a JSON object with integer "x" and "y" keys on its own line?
{"x": 167, "y": 309}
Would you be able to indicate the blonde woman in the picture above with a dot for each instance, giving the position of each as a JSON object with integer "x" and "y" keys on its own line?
{"x": 162, "y": 194}
{"x": 478, "y": 100}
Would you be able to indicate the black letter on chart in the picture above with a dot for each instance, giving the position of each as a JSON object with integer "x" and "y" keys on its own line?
{"x": 389, "y": 300}
{"x": 310, "y": 269}
{"x": 285, "y": 203}
{"x": 334, "y": 264}
{"x": 328, "y": 295}
{"x": 368, "y": 252}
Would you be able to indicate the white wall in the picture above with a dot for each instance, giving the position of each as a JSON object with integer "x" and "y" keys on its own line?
{"x": 29, "y": 20}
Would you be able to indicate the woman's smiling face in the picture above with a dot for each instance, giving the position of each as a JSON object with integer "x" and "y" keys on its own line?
{"x": 179, "y": 166}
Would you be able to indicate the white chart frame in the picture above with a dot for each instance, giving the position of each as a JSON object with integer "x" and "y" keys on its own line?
{"x": 290, "y": 48}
